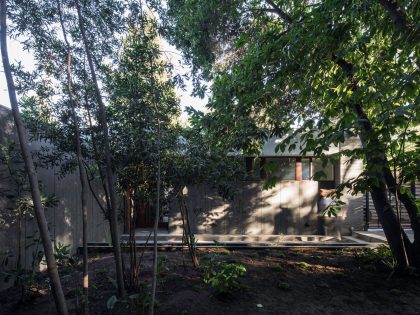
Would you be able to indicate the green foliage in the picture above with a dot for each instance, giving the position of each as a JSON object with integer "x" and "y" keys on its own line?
{"x": 136, "y": 301}
{"x": 299, "y": 75}
{"x": 278, "y": 268}
{"x": 283, "y": 285}
{"x": 110, "y": 304}
{"x": 333, "y": 208}
{"x": 254, "y": 255}
{"x": 162, "y": 268}
{"x": 396, "y": 292}
{"x": 323, "y": 285}
{"x": 63, "y": 255}
{"x": 303, "y": 265}
{"x": 380, "y": 256}
{"x": 222, "y": 276}
{"x": 25, "y": 205}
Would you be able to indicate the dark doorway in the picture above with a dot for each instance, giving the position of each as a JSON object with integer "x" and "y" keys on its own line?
{"x": 145, "y": 216}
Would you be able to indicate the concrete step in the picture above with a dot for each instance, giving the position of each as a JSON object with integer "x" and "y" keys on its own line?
{"x": 369, "y": 237}
{"x": 238, "y": 237}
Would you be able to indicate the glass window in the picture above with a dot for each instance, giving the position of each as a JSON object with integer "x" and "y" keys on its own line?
{"x": 328, "y": 170}
{"x": 306, "y": 169}
{"x": 282, "y": 168}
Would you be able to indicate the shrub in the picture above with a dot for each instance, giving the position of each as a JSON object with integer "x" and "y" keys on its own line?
{"x": 377, "y": 256}
{"x": 223, "y": 276}
{"x": 63, "y": 256}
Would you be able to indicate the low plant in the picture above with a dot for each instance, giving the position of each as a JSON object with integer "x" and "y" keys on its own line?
{"x": 323, "y": 285}
{"x": 381, "y": 255}
{"x": 284, "y": 285}
{"x": 254, "y": 255}
{"x": 63, "y": 255}
{"x": 223, "y": 276}
{"x": 303, "y": 265}
{"x": 162, "y": 268}
{"x": 138, "y": 301}
{"x": 396, "y": 292}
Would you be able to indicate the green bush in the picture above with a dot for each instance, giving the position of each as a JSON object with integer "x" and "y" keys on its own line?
{"x": 377, "y": 256}
{"x": 63, "y": 256}
{"x": 223, "y": 276}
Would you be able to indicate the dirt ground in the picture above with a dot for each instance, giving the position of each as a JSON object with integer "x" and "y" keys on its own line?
{"x": 277, "y": 281}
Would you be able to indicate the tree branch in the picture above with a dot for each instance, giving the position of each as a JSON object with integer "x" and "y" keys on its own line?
{"x": 283, "y": 15}
{"x": 397, "y": 15}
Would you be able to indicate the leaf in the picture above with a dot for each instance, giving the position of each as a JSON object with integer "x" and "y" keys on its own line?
{"x": 111, "y": 302}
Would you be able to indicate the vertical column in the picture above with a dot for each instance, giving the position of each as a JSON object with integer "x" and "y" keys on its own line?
{"x": 298, "y": 169}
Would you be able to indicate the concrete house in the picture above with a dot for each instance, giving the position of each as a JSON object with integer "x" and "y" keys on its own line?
{"x": 289, "y": 208}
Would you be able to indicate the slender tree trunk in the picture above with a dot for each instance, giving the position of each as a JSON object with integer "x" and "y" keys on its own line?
{"x": 189, "y": 236}
{"x": 98, "y": 163}
{"x": 82, "y": 172}
{"x": 155, "y": 229}
{"x": 57, "y": 290}
{"x": 109, "y": 173}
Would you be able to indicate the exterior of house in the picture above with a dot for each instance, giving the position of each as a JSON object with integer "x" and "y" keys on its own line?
{"x": 291, "y": 207}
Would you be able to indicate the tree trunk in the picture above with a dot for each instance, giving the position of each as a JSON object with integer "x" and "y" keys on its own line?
{"x": 412, "y": 211}
{"x": 189, "y": 236}
{"x": 384, "y": 176}
{"x": 155, "y": 231}
{"x": 109, "y": 173}
{"x": 57, "y": 290}
{"x": 402, "y": 248}
{"x": 82, "y": 172}
{"x": 397, "y": 239}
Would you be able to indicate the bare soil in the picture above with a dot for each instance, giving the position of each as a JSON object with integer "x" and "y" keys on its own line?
{"x": 305, "y": 281}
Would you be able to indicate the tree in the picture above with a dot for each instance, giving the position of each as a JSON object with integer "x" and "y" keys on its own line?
{"x": 143, "y": 115}
{"x": 57, "y": 290}
{"x": 113, "y": 220}
{"x": 39, "y": 23}
{"x": 80, "y": 164}
{"x": 330, "y": 70}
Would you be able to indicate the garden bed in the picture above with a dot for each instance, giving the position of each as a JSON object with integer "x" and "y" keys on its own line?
{"x": 298, "y": 281}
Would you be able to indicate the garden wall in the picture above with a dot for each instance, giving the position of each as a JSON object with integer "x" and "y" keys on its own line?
{"x": 65, "y": 219}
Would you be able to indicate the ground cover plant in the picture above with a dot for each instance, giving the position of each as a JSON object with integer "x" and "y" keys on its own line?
{"x": 311, "y": 281}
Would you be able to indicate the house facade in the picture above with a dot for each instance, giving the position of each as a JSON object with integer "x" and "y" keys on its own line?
{"x": 290, "y": 207}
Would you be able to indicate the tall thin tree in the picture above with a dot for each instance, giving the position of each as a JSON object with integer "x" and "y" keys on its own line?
{"x": 57, "y": 290}
{"x": 158, "y": 184}
{"x": 109, "y": 173}
{"x": 82, "y": 171}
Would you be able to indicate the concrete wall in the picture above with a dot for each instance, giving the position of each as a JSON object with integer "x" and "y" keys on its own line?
{"x": 351, "y": 215}
{"x": 65, "y": 220}
{"x": 288, "y": 208}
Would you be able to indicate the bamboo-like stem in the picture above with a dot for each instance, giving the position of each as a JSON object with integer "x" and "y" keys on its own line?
{"x": 82, "y": 171}
{"x": 57, "y": 290}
